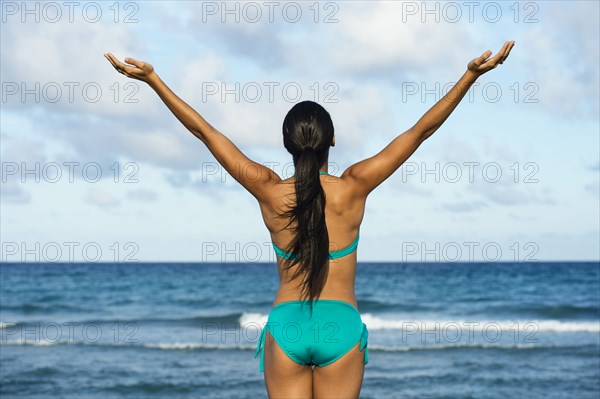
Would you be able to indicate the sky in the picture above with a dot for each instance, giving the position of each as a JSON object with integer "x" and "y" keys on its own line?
{"x": 95, "y": 168}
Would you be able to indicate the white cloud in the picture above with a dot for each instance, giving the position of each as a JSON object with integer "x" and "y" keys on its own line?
{"x": 360, "y": 113}
{"x": 373, "y": 39}
{"x": 61, "y": 57}
{"x": 173, "y": 149}
{"x": 451, "y": 148}
{"x": 259, "y": 123}
{"x": 143, "y": 195}
{"x": 464, "y": 206}
{"x": 12, "y": 192}
{"x": 20, "y": 157}
{"x": 22, "y": 150}
{"x": 507, "y": 192}
{"x": 101, "y": 198}
{"x": 593, "y": 188}
{"x": 561, "y": 55}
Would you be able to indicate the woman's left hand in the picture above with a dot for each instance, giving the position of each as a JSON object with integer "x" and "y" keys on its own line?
{"x": 482, "y": 64}
{"x": 138, "y": 70}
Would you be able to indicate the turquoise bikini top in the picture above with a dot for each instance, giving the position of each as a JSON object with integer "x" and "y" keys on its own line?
{"x": 332, "y": 255}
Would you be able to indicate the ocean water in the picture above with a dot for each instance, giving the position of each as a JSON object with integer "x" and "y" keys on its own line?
{"x": 156, "y": 330}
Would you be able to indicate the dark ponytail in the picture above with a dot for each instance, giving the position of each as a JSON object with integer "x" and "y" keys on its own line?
{"x": 307, "y": 135}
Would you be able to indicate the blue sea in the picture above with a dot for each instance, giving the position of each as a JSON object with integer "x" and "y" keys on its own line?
{"x": 159, "y": 330}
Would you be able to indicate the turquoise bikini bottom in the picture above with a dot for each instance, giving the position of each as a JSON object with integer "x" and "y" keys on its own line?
{"x": 334, "y": 328}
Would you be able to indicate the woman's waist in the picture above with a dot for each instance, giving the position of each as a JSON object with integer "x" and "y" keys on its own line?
{"x": 294, "y": 296}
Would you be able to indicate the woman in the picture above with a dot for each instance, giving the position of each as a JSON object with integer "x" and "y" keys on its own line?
{"x": 314, "y": 220}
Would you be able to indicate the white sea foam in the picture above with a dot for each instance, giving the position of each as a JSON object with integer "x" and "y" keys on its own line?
{"x": 174, "y": 346}
{"x": 525, "y": 326}
{"x": 31, "y": 342}
{"x": 437, "y": 346}
{"x": 249, "y": 320}
{"x": 4, "y": 325}
{"x": 196, "y": 345}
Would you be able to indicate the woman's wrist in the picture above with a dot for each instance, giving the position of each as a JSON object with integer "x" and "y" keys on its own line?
{"x": 471, "y": 75}
{"x": 152, "y": 79}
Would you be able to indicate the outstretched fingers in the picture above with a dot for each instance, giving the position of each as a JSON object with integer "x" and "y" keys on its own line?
{"x": 133, "y": 62}
{"x": 118, "y": 65}
{"x": 507, "y": 51}
{"x": 500, "y": 57}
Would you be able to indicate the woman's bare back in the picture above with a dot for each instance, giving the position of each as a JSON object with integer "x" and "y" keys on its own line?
{"x": 344, "y": 211}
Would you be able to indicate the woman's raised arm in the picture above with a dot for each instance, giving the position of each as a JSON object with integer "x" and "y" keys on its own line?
{"x": 371, "y": 172}
{"x": 256, "y": 178}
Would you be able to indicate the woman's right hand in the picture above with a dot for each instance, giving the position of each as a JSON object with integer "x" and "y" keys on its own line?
{"x": 482, "y": 64}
